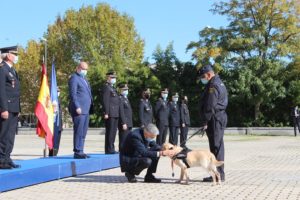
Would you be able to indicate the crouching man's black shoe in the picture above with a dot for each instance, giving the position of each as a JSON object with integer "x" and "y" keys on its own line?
{"x": 210, "y": 179}
{"x": 13, "y": 165}
{"x": 130, "y": 177}
{"x": 151, "y": 179}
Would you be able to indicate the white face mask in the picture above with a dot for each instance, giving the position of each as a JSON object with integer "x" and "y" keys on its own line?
{"x": 83, "y": 72}
{"x": 164, "y": 96}
{"x": 16, "y": 59}
{"x": 175, "y": 99}
{"x": 113, "y": 81}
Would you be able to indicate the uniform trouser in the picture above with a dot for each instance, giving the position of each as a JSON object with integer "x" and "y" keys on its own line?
{"x": 183, "y": 135}
{"x": 135, "y": 165}
{"x": 111, "y": 126}
{"x": 173, "y": 139}
{"x": 163, "y": 132}
{"x": 122, "y": 135}
{"x": 296, "y": 121}
{"x": 80, "y": 127}
{"x": 7, "y": 136}
{"x": 215, "y": 134}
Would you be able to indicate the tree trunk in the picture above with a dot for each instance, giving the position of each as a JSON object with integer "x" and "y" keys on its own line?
{"x": 257, "y": 111}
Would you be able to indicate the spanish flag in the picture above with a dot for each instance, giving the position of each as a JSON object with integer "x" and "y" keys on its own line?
{"x": 44, "y": 111}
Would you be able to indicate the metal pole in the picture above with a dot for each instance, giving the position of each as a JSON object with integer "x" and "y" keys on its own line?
{"x": 45, "y": 62}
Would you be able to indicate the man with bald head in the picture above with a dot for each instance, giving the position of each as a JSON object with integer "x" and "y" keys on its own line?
{"x": 80, "y": 105}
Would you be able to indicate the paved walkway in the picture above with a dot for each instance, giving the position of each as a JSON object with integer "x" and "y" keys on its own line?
{"x": 257, "y": 167}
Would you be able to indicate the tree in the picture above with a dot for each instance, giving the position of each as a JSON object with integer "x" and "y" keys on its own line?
{"x": 261, "y": 38}
{"x": 29, "y": 70}
{"x": 101, "y": 36}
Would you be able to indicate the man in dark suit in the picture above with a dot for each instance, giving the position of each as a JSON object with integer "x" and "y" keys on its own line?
{"x": 111, "y": 103}
{"x": 145, "y": 109}
{"x": 9, "y": 105}
{"x": 162, "y": 116}
{"x": 184, "y": 121}
{"x": 174, "y": 119}
{"x": 80, "y": 106}
{"x": 140, "y": 152}
{"x": 125, "y": 121}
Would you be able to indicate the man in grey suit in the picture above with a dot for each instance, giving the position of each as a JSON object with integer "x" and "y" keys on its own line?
{"x": 80, "y": 106}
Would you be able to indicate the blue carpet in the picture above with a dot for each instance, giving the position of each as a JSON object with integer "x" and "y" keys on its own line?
{"x": 41, "y": 170}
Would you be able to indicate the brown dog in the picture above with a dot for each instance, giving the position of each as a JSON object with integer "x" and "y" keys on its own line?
{"x": 195, "y": 158}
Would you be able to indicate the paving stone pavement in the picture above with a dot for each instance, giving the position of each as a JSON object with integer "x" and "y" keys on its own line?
{"x": 257, "y": 167}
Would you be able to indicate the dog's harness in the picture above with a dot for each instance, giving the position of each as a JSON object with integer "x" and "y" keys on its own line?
{"x": 183, "y": 154}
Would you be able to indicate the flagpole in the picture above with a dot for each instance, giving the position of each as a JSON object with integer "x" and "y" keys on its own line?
{"x": 45, "y": 62}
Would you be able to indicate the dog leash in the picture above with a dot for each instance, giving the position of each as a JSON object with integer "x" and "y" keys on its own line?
{"x": 199, "y": 131}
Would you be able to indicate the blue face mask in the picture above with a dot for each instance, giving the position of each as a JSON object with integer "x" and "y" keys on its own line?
{"x": 83, "y": 72}
{"x": 113, "y": 81}
{"x": 150, "y": 139}
{"x": 125, "y": 93}
{"x": 204, "y": 81}
{"x": 164, "y": 96}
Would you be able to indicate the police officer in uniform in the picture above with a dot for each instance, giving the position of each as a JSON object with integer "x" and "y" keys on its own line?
{"x": 9, "y": 105}
{"x": 214, "y": 101}
{"x": 162, "y": 116}
{"x": 125, "y": 121}
{"x": 184, "y": 121}
{"x": 174, "y": 118}
{"x": 145, "y": 109}
{"x": 111, "y": 103}
{"x": 296, "y": 119}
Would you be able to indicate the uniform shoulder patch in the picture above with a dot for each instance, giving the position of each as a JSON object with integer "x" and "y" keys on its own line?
{"x": 211, "y": 90}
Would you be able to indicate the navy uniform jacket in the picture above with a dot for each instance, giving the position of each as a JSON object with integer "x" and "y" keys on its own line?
{"x": 174, "y": 114}
{"x": 79, "y": 94}
{"x": 213, "y": 100}
{"x": 111, "y": 101}
{"x": 185, "y": 114}
{"x": 125, "y": 112}
{"x": 162, "y": 112}
{"x": 145, "y": 112}
{"x": 9, "y": 89}
{"x": 136, "y": 145}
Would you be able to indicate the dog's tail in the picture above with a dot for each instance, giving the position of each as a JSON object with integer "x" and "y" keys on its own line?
{"x": 218, "y": 163}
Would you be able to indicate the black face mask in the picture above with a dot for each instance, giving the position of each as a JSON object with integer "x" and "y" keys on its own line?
{"x": 147, "y": 96}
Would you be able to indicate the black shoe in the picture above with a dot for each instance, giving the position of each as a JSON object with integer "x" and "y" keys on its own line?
{"x": 13, "y": 165}
{"x": 86, "y": 156}
{"x": 151, "y": 179}
{"x": 5, "y": 166}
{"x": 130, "y": 177}
{"x": 79, "y": 156}
{"x": 113, "y": 152}
{"x": 210, "y": 179}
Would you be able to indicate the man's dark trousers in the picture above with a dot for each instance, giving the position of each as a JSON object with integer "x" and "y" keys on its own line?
{"x": 7, "y": 137}
{"x": 163, "y": 132}
{"x": 111, "y": 126}
{"x": 215, "y": 133}
{"x": 81, "y": 124}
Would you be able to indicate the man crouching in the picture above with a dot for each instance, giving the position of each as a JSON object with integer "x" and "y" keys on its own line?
{"x": 140, "y": 151}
